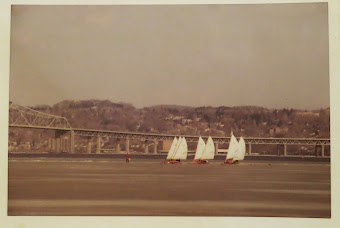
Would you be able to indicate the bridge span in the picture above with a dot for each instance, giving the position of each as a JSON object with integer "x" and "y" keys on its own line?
{"x": 23, "y": 117}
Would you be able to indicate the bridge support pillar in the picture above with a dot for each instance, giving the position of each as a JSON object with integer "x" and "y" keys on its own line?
{"x": 49, "y": 144}
{"x": 53, "y": 145}
{"x": 61, "y": 144}
{"x": 72, "y": 142}
{"x": 322, "y": 150}
{"x": 67, "y": 144}
{"x": 146, "y": 147}
{"x": 118, "y": 147}
{"x": 64, "y": 144}
{"x": 98, "y": 145}
{"x": 58, "y": 145}
{"x": 89, "y": 147}
{"x": 216, "y": 148}
{"x": 155, "y": 146}
{"x": 249, "y": 149}
{"x": 284, "y": 149}
{"x": 127, "y": 145}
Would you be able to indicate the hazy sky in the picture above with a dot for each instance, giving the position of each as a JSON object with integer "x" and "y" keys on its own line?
{"x": 271, "y": 55}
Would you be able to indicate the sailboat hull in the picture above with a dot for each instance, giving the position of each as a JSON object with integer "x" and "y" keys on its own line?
{"x": 175, "y": 162}
{"x": 194, "y": 162}
{"x": 230, "y": 162}
{"x": 199, "y": 162}
{"x": 171, "y": 162}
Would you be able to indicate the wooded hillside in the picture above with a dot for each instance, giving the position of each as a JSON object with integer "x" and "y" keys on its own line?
{"x": 217, "y": 121}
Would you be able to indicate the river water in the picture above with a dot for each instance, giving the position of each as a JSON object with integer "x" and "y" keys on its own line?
{"x": 146, "y": 187}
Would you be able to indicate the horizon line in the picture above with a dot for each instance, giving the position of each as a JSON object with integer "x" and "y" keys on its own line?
{"x": 179, "y": 105}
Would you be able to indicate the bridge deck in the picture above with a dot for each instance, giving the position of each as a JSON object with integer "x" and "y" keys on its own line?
{"x": 189, "y": 138}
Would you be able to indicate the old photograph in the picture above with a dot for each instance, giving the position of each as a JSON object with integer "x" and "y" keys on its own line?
{"x": 170, "y": 110}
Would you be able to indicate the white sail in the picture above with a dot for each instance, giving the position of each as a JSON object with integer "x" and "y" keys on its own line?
{"x": 209, "y": 150}
{"x": 233, "y": 148}
{"x": 176, "y": 147}
{"x": 200, "y": 149}
{"x": 242, "y": 149}
{"x": 182, "y": 150}
{"x": 172, "y": 149}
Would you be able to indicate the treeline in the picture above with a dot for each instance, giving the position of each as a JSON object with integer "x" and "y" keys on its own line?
{"x": 171, "y": 119}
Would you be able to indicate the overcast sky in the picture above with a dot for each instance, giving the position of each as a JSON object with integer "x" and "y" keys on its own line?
{"x": 271, "y": 55}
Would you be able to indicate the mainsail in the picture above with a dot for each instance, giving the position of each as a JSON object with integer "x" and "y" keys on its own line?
{"x": 233, "y": 148}
{"x": 242, "y": 149}
{"x": 172, "y": 149}
{"x": 200, "y": 149}
{"x": 209, "y": 150}
{"x": 182, "y": 150}
{"x": 176, "y": 147}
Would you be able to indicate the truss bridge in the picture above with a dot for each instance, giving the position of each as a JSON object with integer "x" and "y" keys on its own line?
{"x": 24, "y": 117}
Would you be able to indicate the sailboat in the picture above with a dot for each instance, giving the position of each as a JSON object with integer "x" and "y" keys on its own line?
{"x": 207, "y": 153}
{"x": 242, "y": 150}
{"x": 233, "y": 150}
{"x": 199, "y": 151}
{"x": 178, "y": 151}
{"x": 172, "y": 150}
{"x": 181, "y": 152}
